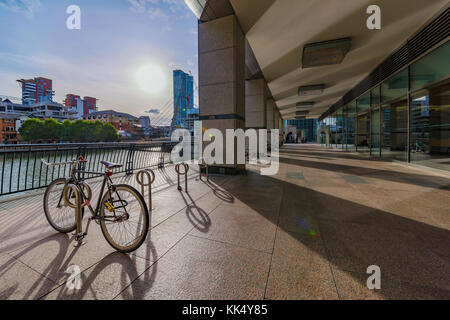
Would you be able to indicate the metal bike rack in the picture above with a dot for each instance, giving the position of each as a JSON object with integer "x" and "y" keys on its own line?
{"x": 202, "y": 164}
{"x": 186, "y": 169}
{"x": 79, "y": 235}
{"x": 150, "y": 178}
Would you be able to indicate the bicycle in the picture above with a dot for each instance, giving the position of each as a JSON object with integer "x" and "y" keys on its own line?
{"x": 121, "y": 211}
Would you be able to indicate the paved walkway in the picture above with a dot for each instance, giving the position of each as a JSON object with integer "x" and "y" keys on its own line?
{"x": 310, "y": 232}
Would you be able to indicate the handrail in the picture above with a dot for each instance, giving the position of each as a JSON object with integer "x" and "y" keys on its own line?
{"x": 30, "y": 167}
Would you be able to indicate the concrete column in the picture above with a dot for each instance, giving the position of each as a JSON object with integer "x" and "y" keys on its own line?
{"x": 221, "y": 51}
{"x": 255, "y": 104}
{"x": 271, "y": 110}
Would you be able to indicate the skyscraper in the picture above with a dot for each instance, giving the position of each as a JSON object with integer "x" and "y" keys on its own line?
{"x": 183, "y": 97}
{"x": 37, "y": 90}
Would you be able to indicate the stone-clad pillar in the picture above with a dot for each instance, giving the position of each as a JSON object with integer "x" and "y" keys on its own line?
{"x": 255, "y": 104}
{"x": 221, "y": 48}
{"x": 271, "y": 110}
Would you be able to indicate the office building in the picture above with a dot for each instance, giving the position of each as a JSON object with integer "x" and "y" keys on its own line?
{"x": 183, "y": 99}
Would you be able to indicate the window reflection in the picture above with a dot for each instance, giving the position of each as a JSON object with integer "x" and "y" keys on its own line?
{"x": 430, "y": 127}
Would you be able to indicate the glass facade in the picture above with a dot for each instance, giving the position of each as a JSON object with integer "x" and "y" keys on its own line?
{"x": 307, "y": 126}
{"x": 350, "y": 126}
{"x": 405, "y": 118}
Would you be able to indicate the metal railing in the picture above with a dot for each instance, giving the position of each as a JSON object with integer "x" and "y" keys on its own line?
{"x": 21, "y": 168}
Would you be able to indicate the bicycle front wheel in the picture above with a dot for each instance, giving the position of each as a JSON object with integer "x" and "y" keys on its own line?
{"x": 124, "y": 218}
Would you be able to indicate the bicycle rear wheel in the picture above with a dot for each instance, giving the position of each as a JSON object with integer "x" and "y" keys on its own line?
{"x": 124, "y": 218}
{"x": 60, "y": 216}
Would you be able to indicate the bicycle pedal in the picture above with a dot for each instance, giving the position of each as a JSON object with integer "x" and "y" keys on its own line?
{"x": 80, "y": 236}
{"x": 79, "y": 244}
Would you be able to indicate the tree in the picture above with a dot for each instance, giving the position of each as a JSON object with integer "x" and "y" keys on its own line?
{"x": 66, "y": 130}
{"x": 77, "y": 131}
{"x": 109, "y": 133}
{"x": 32, "y": 130}
{"x": 52, "y": 130}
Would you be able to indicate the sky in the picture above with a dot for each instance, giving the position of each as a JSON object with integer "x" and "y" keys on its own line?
{"x": 105, "y": 58}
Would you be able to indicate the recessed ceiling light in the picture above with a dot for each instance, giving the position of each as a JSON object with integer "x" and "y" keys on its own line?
{"x": 311, "y": 90}
{"x": 301, "y": 113}
{"x": 325, "y": 53}
{"x": 304, "y": 105}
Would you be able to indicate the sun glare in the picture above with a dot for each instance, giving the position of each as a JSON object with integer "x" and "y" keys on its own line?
{"x": 151, "y": 79}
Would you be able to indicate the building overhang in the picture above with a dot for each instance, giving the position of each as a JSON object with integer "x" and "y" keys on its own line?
{"x": 277, "y": 32}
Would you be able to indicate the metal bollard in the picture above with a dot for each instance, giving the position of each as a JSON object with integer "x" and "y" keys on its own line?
{"x": 186, "y": 169}
{"x": 151, "y": 178}
{"x": 203, "y": 164}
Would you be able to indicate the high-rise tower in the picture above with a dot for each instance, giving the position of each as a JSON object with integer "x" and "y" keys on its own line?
{"x": 37, "y": 90}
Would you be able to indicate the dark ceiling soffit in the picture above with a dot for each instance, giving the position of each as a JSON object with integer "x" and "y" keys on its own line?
{"x": 215, "y": 9}
{"x": 435, "y": 32}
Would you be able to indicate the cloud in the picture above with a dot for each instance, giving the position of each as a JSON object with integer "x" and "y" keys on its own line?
{"x": 28, "y": 7}
{"x": 158, "y": 8}
{"x": 156, "y": 13}
{"x": 190, "y": 62}
{"x": 140, "y": 5}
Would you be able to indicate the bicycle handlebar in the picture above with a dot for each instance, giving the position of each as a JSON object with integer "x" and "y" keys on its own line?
{"x": 73, "y": 162}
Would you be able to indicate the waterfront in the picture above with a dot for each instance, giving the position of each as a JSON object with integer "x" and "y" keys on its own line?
{"x": 22, "y": 169}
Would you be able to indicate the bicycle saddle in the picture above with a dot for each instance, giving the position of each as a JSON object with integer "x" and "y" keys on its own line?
{"x": 110, "y": 165}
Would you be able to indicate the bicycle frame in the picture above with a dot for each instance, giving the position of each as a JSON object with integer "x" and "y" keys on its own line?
{"x": 84, "y": 199}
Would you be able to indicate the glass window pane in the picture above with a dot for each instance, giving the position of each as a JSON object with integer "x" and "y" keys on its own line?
{"x": 375, "y": 135}
{"x": 395, "y": 87}
{"x": 430, "y": 127}
{"x": 363, "y": 136}
{"x": 339, "y": 129}
{"x": 364, "y": 102}
{"x": 432, "y": 67}
{"x": 350, "y": 116}
{"x": 375, "y": 96}
{"x": 394, "y": 127}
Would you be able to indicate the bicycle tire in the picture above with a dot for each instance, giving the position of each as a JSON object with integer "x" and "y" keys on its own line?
{"x": 49, "y": 215}
{"x": 112, "y": 240}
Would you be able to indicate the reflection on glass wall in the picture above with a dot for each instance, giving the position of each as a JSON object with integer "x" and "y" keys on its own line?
{"x": 350, "y": 126}
{"x": 363, "y": 136}
{"x": 363, "y": 125}
{"x": 395, "y": 130}
{"x": 430, "y": 127}
{"x": 375, "y": 141}
{"x": 333, "y": 130}
{"x": 339, "y": 129}
{"x": 434, "y": 66}
{"x": 375, "y": 122}
{"x": 395, "y": 87}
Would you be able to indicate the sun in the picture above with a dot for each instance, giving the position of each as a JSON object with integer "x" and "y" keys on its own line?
{"x": 151, "y": 79}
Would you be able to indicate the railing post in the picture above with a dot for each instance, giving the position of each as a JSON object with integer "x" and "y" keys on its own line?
{"x": 130, "y": 160}
{"x": 81, "y": 166}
